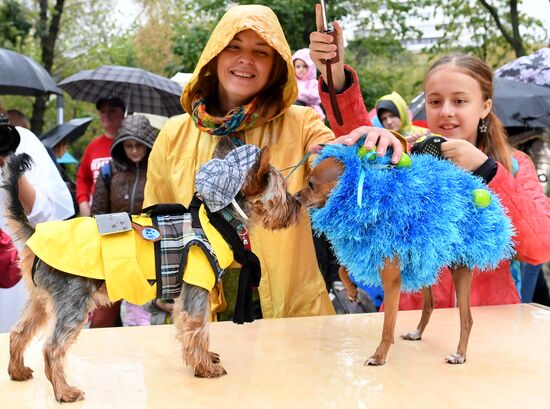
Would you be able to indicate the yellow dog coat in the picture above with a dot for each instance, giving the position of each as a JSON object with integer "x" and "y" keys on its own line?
{"x": 125, "y": 260}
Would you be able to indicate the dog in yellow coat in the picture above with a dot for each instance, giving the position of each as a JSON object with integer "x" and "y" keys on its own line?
{"x": 70, "y": 268}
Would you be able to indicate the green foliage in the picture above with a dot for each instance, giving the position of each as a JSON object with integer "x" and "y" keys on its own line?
{"x": 14, "y": 24}
{"x": 381, "y": 73}
{"x": 297, "y": 17}
{"x": 189, "y": 47}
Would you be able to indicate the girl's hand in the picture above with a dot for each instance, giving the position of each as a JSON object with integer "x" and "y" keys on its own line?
{"x": 321, "y": 48}
{"x": 463, "y": 153}
{"x": 379, "y": 137}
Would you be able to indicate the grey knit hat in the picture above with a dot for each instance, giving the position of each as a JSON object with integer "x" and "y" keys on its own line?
{"x": 219, "y": 180}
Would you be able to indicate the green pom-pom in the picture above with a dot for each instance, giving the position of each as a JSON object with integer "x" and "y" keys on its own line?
{"x": 370, "y": 154}
{"x": 405, "y": 161}
{"x": 481, "y": 198}
{"x": 362, "y": 152}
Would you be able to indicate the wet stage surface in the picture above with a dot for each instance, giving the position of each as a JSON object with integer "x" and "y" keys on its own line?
{"x": 314, "y": 362}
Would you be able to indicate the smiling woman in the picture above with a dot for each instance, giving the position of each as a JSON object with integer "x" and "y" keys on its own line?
{"x": 243, "y": 69}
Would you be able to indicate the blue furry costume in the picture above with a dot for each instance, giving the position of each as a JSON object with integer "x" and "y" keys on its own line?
{"x": 425, "y": 214}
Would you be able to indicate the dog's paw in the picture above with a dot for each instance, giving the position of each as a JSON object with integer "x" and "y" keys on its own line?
{"x": 375, "y": 361}
{"x": 215, "y": 358}
{"x": 455, "y": 358}
{"x": 213, "y": 371}
{"x": 412, "y": 336}
{"x": 21, "y": 374}
{"x": 69, "y": 394}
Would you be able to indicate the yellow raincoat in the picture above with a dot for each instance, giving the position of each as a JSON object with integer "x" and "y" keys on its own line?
{"x": 291, "y": 283}
{"x": 124, "y": 260}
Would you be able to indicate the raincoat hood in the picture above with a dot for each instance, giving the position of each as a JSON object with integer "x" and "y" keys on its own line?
{"x": 264, "y": 22}
{"x": 402, "y": 108}
{"x": 303, "y": 54}
{"x": 138, "y": 128}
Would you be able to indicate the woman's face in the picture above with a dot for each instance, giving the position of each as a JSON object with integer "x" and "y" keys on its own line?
{"x": 454, "y": 103}
{"x": 243, "y": 69}
{"x": 300, "y": 68}
{"x": 135, "y": 151}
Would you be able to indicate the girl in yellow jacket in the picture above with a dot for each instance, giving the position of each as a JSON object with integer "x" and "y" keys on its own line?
{"x": 243, "y": 87}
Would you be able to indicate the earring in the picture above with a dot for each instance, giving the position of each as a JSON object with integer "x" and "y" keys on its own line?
{"x": 484, "y": 123}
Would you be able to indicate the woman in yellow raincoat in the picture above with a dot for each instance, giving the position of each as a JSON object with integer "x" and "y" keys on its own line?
{"x": 243, "y": 87}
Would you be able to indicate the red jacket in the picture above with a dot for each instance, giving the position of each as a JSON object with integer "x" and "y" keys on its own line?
{"x": 97, "y": 153}
{"x": 523, "y": 197}
{"x": 9, "y": 272}
{"x": 351, "y": 105}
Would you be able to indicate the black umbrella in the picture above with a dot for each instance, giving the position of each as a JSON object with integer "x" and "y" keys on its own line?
{"x": 515, "y": 103}
{"x": 71, "y": 130}
{"x": 21, "y": 75}
{"x": 140, "y": 90}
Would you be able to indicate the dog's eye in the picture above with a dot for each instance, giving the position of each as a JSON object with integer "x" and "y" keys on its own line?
{"x": 310, "y": 184}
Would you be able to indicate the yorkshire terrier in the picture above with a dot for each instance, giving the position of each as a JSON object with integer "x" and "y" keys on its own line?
{"x": 67, "y": 298}
{"x": 400, "y": 225}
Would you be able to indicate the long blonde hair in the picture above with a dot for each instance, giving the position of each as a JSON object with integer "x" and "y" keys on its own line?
{"x": 494, "y": 142}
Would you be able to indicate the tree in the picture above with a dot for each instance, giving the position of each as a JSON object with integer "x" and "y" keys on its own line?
{"x": 483, "y": 25}
{"x": 14, "y": 24}
{"x": 47, "y": 31}
{"x": 199, "y": 17}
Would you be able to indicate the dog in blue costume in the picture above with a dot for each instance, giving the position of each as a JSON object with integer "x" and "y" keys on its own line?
{"x": 400, "y": 225}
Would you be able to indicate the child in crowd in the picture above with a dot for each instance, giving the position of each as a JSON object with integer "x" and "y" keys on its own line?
{"x": 393, "y": 113}
{"x": 308, "y": 92}
{"x": 242, "y": 90}
{"x": 119, "y": 188}
{"x": 459, "y": 91}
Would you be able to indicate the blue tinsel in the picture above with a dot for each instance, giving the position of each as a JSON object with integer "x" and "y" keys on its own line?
{"x": 424, "y": 214}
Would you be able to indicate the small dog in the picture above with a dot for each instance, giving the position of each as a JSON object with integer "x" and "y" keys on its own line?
{"x": 402, "y": 225}
{"x": 258, "y": 196}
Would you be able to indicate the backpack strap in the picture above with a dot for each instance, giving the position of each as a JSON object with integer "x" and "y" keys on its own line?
{"x": 106, "y": 173}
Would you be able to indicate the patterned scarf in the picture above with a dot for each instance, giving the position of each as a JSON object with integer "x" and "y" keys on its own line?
{"x": 238, "y": 119}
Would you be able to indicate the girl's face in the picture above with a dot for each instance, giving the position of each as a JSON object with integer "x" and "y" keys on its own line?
{"x": 454, "y": 103}
{"x": 243, "y": 69}
{"x": 300, "y": 68}
{"x": 135, "y": 151}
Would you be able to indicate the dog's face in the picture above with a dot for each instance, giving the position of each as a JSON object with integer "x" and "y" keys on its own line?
{"x": 320, "y": 183}
{"x": 265, "y": 196}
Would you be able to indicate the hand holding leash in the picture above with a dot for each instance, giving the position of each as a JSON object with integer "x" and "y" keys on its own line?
{"x": 326, "y": 50}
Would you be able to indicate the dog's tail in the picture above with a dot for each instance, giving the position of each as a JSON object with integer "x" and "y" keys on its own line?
{"x": 17, "y": 221}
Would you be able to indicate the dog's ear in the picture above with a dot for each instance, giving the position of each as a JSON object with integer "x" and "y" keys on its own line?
{"x": 258, "y": 176}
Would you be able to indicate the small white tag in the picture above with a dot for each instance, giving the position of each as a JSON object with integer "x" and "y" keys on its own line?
{"x": 113, "y": 223}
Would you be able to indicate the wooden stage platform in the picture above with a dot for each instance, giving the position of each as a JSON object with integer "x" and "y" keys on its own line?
{"x": 312, "y": 362}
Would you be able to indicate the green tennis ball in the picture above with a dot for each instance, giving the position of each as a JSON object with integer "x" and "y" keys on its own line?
{"x": 404, "y": 161}
{"x": 481, "y": 198}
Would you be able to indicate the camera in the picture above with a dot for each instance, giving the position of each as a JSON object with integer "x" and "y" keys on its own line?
{"x": 9, "y": 137}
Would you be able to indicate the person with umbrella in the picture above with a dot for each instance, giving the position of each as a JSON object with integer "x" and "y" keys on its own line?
{"x": 97, "y": 153}
{"x": 459, "y": 91}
